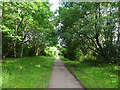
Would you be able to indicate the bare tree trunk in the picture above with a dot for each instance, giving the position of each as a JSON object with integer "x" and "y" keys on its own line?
{"x": 118, "y": 24}
{"x": 37, "y": 51}
{"x": 23, "y": 37}
{"x": 21, "y": 55}
{"x": 22, "y": 45}
{"x": 14, "y": 49}
{"x": 97, "y": 34}
{"x": 14, "y": 44}
{"x": 1, "y": 18}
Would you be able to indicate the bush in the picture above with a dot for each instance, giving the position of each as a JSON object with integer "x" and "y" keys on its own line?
{"x": 51, "y": 51}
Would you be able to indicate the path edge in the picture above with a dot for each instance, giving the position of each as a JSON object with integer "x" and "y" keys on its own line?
{"x": 50, "y": 76}
{"x": 75, "y": 76}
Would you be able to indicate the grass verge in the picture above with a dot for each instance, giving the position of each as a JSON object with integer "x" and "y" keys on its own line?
{"x": 105, "y": 76}
{"x": 28, "y": 72}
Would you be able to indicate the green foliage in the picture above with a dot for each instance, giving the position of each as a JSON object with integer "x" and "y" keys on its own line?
{"x": 10, "y": 33}
{"x": 89, "y": 26}
{"x": 26, "y": 25}
{"x": 27, "y": 72}
{"x": 62, "y": 50}
{"x": 51, "y": 51}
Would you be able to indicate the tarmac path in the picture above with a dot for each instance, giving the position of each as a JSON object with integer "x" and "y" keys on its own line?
{"x": 62, "y": 78}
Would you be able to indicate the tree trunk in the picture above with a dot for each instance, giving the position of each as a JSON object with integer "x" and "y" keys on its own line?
{"x": 1, "y": 18}
{"x": 16, "y": 29}
{"x": 37, "y": 51}
{"x": 23, "y": 37}
{"x": 21, "y": 55}
{"x": 118, "y": 24}
{"x": 14, "y": 45}
{"x": 97, "y": 34}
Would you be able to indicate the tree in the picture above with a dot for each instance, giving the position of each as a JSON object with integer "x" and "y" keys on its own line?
{"x": 89, "y": 26}
{"x": 26, "y": 28}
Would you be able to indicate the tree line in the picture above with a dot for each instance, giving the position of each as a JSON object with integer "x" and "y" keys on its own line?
{"x": 27, "y": 28}
{"x": 90, "y": 30}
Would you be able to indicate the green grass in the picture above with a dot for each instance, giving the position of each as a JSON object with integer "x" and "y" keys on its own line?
{"x": 28, "y": 72}
{"x": 105, "y": 76}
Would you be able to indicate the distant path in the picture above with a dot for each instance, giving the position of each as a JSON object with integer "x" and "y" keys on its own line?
{"x": 62, "y": 77}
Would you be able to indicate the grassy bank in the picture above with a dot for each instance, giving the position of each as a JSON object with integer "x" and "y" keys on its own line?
{"x": 105, "y": 76}
{"x": 28, "y": 72}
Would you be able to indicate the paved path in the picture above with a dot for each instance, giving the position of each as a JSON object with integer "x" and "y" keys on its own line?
{"x": 62, "y": 77}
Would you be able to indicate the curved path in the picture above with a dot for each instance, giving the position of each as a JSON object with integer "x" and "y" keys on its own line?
{"x": 62, "y": 77}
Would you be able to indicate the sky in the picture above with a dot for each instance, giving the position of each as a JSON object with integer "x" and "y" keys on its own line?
{"x": 55, "y": 4}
